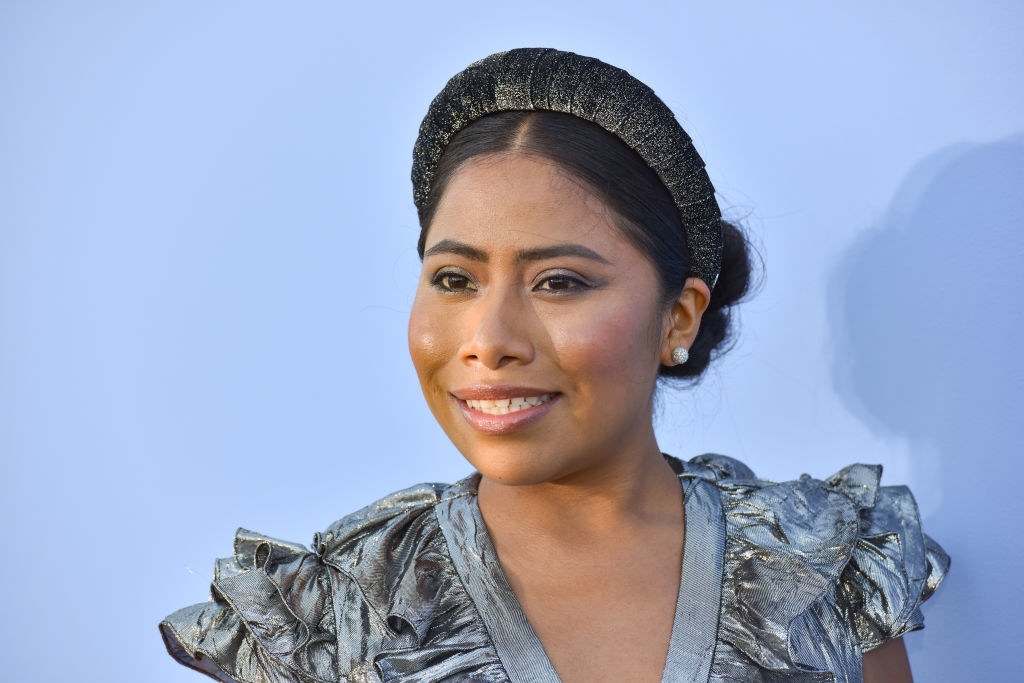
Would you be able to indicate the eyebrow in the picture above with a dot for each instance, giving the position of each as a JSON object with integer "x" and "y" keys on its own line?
{"x": 535, "y": 254}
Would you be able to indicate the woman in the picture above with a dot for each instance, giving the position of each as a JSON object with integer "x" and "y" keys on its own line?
{"x": 573, "y": 254}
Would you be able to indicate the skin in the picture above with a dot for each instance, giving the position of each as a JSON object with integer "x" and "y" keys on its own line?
{"x": 888, "y": 663}
{"x": 585, "y": 514}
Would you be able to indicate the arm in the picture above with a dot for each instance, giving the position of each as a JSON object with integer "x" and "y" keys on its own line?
{"x": 887, "y": 663}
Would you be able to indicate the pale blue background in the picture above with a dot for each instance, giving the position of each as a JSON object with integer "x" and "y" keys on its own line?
{"x": 207, "y": 260}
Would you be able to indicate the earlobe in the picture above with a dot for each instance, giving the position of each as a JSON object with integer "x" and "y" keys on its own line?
{"x": 684, "y": 319}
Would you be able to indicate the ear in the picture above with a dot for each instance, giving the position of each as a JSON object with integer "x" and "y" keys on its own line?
{"x": 684, "y": 318}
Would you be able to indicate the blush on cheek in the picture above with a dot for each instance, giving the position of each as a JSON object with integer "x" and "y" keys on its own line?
{"x": 423, "y": 346}
{"x": 426, "y": 339}
{"x": 612, "y": 345}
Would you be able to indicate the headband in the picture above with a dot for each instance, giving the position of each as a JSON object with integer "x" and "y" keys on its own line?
{"x": 534, "y": 78}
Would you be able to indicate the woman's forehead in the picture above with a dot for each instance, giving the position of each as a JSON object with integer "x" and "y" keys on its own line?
{"x": 516, "y": 201}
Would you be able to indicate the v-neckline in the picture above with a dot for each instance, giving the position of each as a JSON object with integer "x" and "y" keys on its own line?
{"x": 694, "y": 626}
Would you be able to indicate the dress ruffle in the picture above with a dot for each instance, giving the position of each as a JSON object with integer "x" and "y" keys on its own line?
{"x": 817, "y": 572}
{"x": 394, "y": 553}
{"x": 270, "y": 617}
{"x": 375, "y": 600}
{"x": 893, "y": 568}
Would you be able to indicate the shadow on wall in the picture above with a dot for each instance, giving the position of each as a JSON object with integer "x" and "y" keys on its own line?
{"x": 928, "y": 320}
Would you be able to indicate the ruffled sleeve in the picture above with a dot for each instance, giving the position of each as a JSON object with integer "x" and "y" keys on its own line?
{"x": 270, "y": 617}
{"x": 816, "y": 572}
{"x": 894, "y": 566}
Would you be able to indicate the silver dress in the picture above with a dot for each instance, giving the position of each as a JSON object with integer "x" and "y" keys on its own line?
{"x": 788, "y": 581}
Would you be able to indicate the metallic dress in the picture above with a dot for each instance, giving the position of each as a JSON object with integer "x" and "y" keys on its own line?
{"x": 788, "y": 581}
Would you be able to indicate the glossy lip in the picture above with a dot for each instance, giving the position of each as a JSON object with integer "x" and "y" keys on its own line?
{"x": 502, "y": 424}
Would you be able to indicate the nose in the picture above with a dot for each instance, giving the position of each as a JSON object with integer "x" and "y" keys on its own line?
{"x": 498, "y": 331}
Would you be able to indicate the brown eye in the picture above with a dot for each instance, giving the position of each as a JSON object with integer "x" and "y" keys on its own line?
{"x": 561, "y": 284}
{"x": 447, "y": 281}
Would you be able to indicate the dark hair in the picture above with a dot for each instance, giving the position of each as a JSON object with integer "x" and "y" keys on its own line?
{"x": 641, "y": 205}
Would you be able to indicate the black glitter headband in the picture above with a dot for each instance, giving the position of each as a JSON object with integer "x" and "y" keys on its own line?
{"x": 534, "y": 78}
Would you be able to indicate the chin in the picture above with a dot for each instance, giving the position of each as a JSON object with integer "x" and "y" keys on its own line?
{"x": 518, "y": 464}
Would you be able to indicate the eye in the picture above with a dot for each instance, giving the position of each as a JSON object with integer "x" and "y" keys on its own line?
{"x": 452, "y": 282}
{"x": 562, "y": 283}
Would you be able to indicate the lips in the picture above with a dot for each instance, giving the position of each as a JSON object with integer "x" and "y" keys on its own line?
{"x": 503, "y": 409}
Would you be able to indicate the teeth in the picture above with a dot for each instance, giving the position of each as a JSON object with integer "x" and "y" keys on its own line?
{"x": 504, "y": 406}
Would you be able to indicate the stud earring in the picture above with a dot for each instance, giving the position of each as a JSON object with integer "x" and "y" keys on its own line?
{"x": 680, "y": 355}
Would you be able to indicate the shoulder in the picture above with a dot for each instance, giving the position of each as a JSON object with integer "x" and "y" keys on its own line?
{"x": 281, "y": 611}
{"x": 802, "y": 554}
{"x": 397, "y": 510}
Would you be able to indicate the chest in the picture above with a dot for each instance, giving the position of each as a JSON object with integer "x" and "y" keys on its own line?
{"x": 606, "y": 619}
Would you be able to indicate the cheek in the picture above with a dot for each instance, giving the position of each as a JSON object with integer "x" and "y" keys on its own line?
{"x": 614, "y": 345}
{"x": 428, "y": 341}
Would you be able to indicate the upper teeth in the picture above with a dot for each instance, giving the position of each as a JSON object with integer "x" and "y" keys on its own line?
{"x": 503, "y": 406}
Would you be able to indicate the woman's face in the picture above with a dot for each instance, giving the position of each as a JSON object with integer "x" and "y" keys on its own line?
{"x": 537, "y": 330}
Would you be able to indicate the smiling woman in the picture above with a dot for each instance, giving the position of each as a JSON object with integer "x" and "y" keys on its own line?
{"x": 526, "y": 283}
{"x": 573, "y": 255}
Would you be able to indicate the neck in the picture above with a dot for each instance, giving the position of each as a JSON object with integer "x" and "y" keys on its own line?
{"x": 616, "y": 495}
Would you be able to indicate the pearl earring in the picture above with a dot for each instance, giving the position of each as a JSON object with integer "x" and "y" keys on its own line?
{"x": 680, "y": 355}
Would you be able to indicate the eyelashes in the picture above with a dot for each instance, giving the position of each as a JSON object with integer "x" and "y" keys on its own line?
{"x": 452, "y": 282}
{"x": 561, "y": 283}
{"x": 457, "y": 281}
